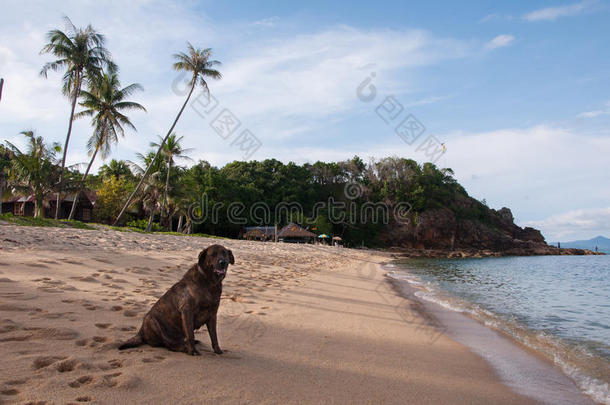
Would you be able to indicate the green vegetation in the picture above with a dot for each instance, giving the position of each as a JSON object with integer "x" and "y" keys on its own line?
{"x": 46, "y": 222}
{"x": 34, "y": 172}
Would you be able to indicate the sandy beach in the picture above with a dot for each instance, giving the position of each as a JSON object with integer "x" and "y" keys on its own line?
{"x": 298, "y": 324}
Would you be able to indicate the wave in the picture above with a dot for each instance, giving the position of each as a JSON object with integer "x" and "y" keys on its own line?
{"x": 590, "y": 372}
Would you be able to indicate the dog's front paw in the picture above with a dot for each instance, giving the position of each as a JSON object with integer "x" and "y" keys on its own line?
{"x": 193, "y": 352}
{"x": 217, "y": 350}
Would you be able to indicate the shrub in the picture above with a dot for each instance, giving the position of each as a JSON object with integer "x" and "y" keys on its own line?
{"x": 111, "y": 196}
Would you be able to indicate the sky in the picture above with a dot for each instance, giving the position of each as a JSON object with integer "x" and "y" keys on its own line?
{"x": 518, "y": 92}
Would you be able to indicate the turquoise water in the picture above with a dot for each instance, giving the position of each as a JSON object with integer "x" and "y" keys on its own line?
{"x": 558, "y": 305}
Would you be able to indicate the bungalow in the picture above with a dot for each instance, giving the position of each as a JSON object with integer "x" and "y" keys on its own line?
{"x": 262, "y": 233}
{"x": 292, "y": 233}
{"x": 24, "y": 206}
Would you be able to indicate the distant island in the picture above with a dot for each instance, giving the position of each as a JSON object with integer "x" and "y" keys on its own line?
{"x": 601, "y": 242}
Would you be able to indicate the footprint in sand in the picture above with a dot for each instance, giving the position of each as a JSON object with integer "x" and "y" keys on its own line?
{"x": 87, "y": 279}
{"x": 99, "y": 339}
{"x": 19, "y": 381}
{"x": 89, "y": 307}
{"x": 81, "y": 342}
{"x": 115, "y": 363}
{"x": 85, "y": 398}
{"x": 84, "y": 380}
{"x": 102, "y": 325}
{"x": 9, "y": 391}
{"x": 155, "y": 359}
{"x": 130, "y": 313}
{"x": 37, "y": 265}
{"x": 71, "y": 261}
{"x": 45, "y": 361}
{"x": 66, "y": 366}
{"x": 8, "y": 325}
{"x": 109, "y": 380}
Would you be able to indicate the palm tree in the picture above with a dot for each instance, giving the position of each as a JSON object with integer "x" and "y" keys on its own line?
{"x": 35, "y": 171}
{"x": 116, "y": 169}
{"x": 196, "y": 61}
{"x": 105, "y": 102}
{"x": 151, "y": 192}
{"x": 5, "y": 162}
{"x": 82, "y": 54}
{"x": 172, "y": 150}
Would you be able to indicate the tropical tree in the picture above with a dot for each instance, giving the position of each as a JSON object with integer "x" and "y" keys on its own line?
{"x": 5, "y": 163}
{"x": 106, "y": 103}
{"x": 34, "y": 171}
{"x": 116, "y": 169}
{"x": 198, "y": 63}
{"x": 171, "y": 150}
{"x": 153, "y": 186}
{"x": 81, "y": 52}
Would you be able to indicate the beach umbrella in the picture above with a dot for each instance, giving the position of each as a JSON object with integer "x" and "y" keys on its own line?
{"x": 325, "y": 236}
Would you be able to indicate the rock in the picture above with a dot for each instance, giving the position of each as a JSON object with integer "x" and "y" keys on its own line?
{"x": 477, "y": 232}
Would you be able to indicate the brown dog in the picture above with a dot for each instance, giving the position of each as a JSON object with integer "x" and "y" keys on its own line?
{"x": 191, "y": 302}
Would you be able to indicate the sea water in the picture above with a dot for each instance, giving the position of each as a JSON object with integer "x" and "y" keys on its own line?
{"x": 557, "y": 305}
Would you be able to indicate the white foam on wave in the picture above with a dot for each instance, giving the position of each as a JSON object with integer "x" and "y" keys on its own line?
{"x": 443, "y": 303}
{"x": 598, "y": 390}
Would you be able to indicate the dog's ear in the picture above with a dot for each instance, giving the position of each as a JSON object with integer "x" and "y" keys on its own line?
{"x": 231, "y": 258}
{"x": 202, "y": 256}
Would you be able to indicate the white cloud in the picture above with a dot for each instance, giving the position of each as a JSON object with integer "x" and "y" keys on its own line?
{"x": 496, "y": 17}
{"x": 428, "y": 100}
{"x": 595, "y": 113}
{"x": 553, "y": 13}
{"x": 316, "y": 75}
{"x": 267, "y": 22}
{"x": 279, "y": 86}
{"x": 537, "y": 171}
{"x": 575, "y": 224}
{"x": 499, "y": 42}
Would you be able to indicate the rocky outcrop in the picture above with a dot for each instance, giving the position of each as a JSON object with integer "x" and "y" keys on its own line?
{"x": 442, "y": 232}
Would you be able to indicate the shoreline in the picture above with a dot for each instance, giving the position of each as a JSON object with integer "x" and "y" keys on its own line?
{"x": 522, "y": 364}
{"x": 297, "y": 323}
{"x": 401, "y": 253}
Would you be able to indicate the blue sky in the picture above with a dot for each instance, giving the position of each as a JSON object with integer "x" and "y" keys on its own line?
{"x": 519, "y": 92}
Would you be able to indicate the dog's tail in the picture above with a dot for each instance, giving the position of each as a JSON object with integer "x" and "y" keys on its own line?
{"x": 133, "y": 342}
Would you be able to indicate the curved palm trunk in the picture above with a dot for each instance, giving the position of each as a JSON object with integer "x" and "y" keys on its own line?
{"x": 150, "y": 219}
{"x": 37, "y": 207}
{"x": 179, "y": 229}
{"x": 130, "y": 199}
{"x": 169, "y": 169}
{"x": 63, "y": 159}
{"x": 83, "y": 184}
{"x": 2, "y": 181}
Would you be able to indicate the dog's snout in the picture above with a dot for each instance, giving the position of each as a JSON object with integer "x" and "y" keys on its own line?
{"x": 223, "y": 263}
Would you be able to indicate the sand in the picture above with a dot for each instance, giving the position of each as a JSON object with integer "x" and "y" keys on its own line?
{"x": 298, "y": 324}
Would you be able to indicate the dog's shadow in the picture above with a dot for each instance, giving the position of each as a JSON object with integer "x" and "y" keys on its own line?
{"x": 205, "y": 350}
